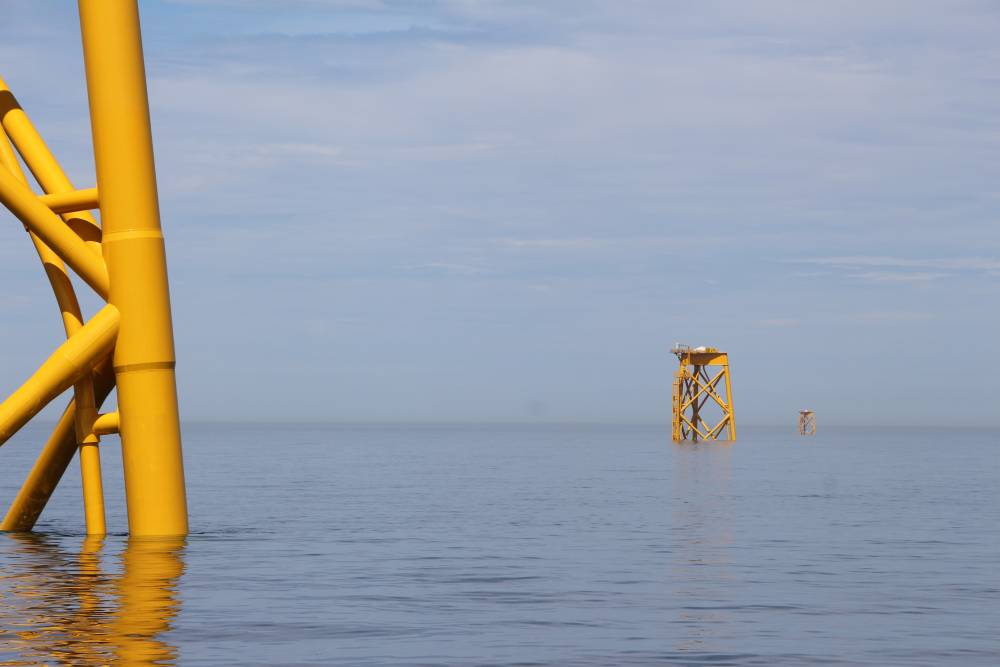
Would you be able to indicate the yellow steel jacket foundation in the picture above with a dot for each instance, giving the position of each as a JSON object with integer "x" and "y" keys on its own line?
{"x": 120, "y": 255}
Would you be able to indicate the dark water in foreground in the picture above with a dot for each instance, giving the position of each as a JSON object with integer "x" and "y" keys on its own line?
{"x": 526, "y": 546}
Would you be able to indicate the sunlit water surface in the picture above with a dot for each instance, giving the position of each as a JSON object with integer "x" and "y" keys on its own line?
{"x": 478, "y": 545}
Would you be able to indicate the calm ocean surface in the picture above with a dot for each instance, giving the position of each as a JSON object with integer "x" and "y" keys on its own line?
{"x": 534, "y": 545}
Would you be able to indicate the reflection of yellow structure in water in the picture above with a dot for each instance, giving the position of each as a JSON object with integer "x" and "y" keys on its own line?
{"x": 147, "y": 600}
{"x": 64, "y": 608}
{"x": 701, "y": 575}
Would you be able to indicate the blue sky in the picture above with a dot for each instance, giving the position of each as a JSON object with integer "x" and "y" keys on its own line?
{"x": 509, "y": 211}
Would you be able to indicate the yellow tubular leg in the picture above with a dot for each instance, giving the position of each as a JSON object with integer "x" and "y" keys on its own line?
{"x": 729, "y": 404}
{"x": 134, "y": 252}
{"x": 90, "y": 456}
{"x": 93, "y": 488}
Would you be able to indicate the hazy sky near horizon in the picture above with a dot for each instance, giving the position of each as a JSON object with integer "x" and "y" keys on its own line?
{"x": 463, "y": 210}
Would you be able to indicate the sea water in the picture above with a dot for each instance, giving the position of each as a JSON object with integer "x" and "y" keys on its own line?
{"x": 524, "y": 545}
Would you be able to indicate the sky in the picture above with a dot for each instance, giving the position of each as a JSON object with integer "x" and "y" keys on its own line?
{"x": 461, "y": 210}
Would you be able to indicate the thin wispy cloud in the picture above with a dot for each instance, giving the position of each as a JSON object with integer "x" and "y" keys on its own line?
{"x": 554, "y": 244}
{"x": 891, "y": 316}
{"x": 906, "y": 270}
{"x": 296, "y": 150}
{"x": 446, "y": 269}
{"x": 882, "y": 261}
{"x": 776, "y": 322}
{"x": 898, "y": 276}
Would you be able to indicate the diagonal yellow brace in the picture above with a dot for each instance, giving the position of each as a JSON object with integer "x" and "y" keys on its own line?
{"x": 43, "y": 164}
{"x": 71, "y": 361}
{"x": 715, "y": 396}
{"x": 53, "y": 461}
{"x": 55, "y": 270}
{"x": 693, "y": 427}
{"x": 715, "y": 430}
{"x": 696, "y": 382}
{"x": 37, "y": 217}
{"x": 710, "y": 390}
{"x": 703, "y": 387}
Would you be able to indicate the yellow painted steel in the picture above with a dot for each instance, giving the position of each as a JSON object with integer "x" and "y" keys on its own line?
{"x": 54, "y": 268}
{"x": 90, "y": 456}
{"x": 43, "y": 164}
{"x": 53, "y": 461}
{"x": 85, "y": 408}
{"x": 123, "y": 260}
{"x": 71, "y": 201}
{"x": 134, "y": 252}
{"x": 36, "y": 216}
{"x": 694, "y": 386}
{"x": 93, "y": 489}
{"x": 44, "y": 476}
{"x": 71, "y": 361}
{"x": 106, "y": 424}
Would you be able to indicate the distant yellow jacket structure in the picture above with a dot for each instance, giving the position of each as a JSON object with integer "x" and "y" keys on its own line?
{"x": 697, "y": 387}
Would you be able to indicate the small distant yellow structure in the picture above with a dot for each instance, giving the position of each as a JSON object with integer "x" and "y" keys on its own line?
{"x": 700, "y": 383}
{"x": 807, "y": 422}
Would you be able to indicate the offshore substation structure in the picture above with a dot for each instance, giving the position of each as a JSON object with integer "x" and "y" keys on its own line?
{"x": 807, "y": 422}
{"x": 702, "y": 395}
{"x": 119, "y": 254}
